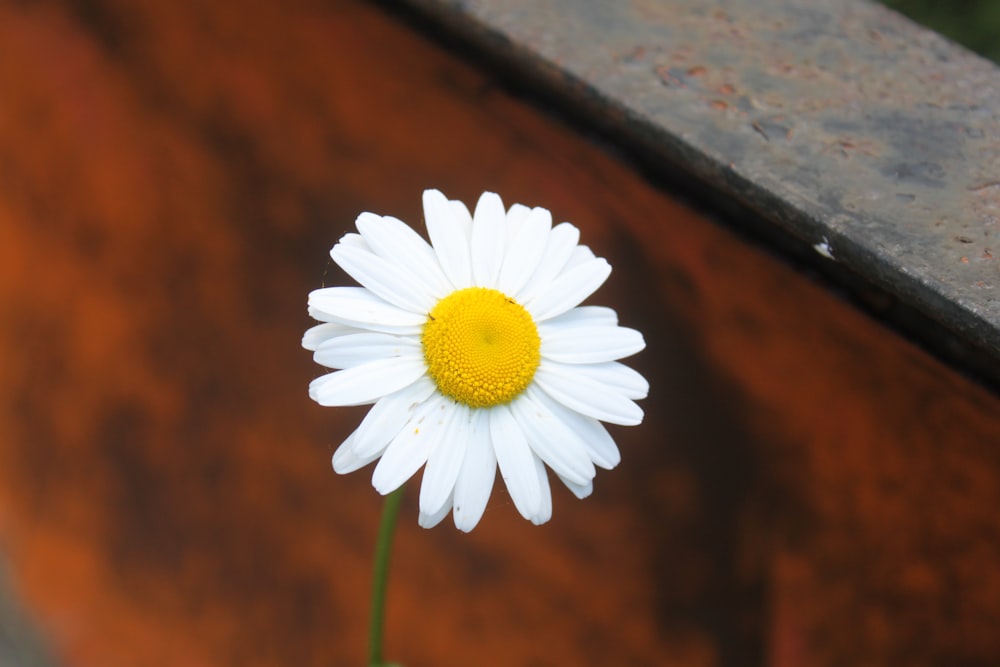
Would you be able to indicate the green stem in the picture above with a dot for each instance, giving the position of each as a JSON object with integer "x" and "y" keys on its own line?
{"x": 382, "y": 550}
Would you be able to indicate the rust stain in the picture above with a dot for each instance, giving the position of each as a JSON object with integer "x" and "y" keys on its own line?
{"x": 669, "y": 78}
{"x": 983, "y": 186}
{"x": 760, "y": 130}
{"x": 636, "y": 55}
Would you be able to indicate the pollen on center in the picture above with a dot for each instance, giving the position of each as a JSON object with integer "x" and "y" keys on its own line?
{"x": 481, "y": 347}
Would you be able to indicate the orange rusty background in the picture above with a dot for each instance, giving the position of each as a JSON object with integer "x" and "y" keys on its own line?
{"x": 807, "y": 489}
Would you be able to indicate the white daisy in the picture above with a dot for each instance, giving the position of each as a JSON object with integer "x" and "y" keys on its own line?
{"x": 475, "y": 353}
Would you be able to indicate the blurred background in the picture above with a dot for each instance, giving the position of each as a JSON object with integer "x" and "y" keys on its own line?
{"x": 807, "y": 489}
{"x": 972, "y": 23}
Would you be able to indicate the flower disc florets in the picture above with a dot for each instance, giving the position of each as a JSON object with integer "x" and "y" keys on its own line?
{"x": 481, "y": 347}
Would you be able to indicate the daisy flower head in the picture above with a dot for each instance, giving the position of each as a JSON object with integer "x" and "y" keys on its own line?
{"x": 475, "y": 354}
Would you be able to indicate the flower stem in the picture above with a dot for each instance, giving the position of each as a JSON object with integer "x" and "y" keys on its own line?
{"x": 382, "y": 550}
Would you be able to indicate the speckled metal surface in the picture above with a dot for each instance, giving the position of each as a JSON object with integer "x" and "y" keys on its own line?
{"x": 848, "y": 127}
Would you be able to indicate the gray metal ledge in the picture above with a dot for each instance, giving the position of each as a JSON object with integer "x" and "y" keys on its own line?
{"x": 844, "y": 125}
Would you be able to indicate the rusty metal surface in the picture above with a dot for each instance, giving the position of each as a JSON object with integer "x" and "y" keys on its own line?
{"x": 846, "y": 126}
{"x": 20, "y": 643}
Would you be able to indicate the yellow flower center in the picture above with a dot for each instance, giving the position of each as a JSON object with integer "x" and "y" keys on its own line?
{"x": 481, "y": 347}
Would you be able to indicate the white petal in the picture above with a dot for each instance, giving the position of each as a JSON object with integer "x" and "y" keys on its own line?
{"x": 366, "y": 383}
{"x": 479, "y": 469}
{"x": 317, "y": 335}
{"x": 400, "y": 330}
{"x": 386, "y": 418}
{"x": 449, "y": 233}
{"x": 431, "y": 520}
{"x": 581, "y": 254}
{"x": 569, "y": 289}
{"x": 591, "y": 344}
{"x": 489, "y": 235}
{"x": 359, "y": 348}
{"x": 516, "y": 215}
{"x": 552, "y": 440}
{"x": 355, "y": 240}
{"x": 558, "y": 248}
{"x": 396, "y": 242}
{"x": 579, "y": 392}
{"x": 383, "y": 278}
{"x": 356, "y": 306}
{"x": 581, "y": 491}
{"x": 596, "y": 440}
{"x": 525, "y": 251}
{"x": 545, "y": 510}
{"x": 412, "y": 445}
{"x": 346, "y": 460}
{"x": 516, "y": 462}
{"x": 581, "y": 315}
{"x": 460, "y": 212}
{"x": 613, "y": 375}
{"x": 445, "y": 462}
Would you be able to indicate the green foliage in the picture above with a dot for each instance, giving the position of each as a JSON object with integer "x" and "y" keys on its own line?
{"x": 974, "y": 23}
